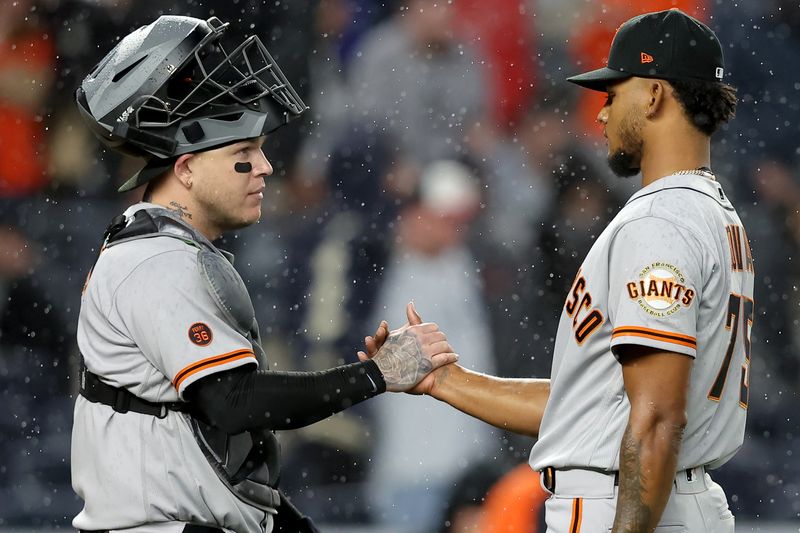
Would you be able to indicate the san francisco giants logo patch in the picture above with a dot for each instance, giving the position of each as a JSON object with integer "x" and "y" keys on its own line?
{"x": 200, "y": 334}
{"x": 660, "y": 290}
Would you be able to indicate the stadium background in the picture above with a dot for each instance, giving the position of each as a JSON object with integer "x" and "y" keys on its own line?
{"x": 443, "y": 146}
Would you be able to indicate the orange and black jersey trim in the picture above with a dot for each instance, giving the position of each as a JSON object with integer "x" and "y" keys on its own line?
{"x": 577, "y": 512}
{"x": 655, "y": 334}
{"x": 210, "y": 362}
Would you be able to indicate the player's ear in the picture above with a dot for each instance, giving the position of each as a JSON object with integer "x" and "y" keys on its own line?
{"x": 655, "y": 97}
{"x": 182, "y": 170}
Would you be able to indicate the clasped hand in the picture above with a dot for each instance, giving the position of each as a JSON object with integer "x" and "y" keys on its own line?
{"x": 407, "y": 355}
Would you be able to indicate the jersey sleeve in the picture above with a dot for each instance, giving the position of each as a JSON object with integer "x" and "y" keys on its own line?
{"x": 655, "y": 279}
{"x": 171, "y": 317}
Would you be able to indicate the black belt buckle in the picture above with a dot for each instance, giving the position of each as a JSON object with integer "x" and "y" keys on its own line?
{"x": 122, "y": 401}
{"x": 549, "y": 479}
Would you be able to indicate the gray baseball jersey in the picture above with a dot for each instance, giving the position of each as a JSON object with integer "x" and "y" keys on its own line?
{"x": 672, "y": 271}
{"x": 148, "y": 324}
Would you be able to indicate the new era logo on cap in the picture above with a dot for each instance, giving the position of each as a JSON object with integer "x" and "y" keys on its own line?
{"x": 646, "y": 58}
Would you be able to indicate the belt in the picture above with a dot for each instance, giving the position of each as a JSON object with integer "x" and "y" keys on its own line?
{"x": 188, "y": 529}
{"x": 584, "y": 483}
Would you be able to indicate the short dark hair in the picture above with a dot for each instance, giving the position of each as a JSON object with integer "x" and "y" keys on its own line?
{"x": 707, "y": 104}
{"x": 151, "y": 185}
{"x": 148, "y": 192}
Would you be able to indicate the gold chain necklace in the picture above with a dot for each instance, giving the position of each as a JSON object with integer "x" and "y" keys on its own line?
{"x": 701, "y": 171}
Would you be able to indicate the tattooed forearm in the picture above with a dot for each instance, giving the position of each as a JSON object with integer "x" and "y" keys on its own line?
{"x": 402, "y": 362}
{"x": 647, "y": 462}
{"x": 633, "y": 514}
{"x": 180, "y": 210}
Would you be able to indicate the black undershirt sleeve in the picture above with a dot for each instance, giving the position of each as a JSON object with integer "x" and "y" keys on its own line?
{"x": 244, "y": 398}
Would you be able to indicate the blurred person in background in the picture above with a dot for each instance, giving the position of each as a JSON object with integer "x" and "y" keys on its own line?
{"x": 569, "y": 202}
{"x": 415, "y": 78}
{"x": 82, "y": 31}
{"x": 432, "y": 264}
{"x": 82, "y": 195}
{"x": 515, "y": 503}
{"x": 337, "y": 29}
{"x": 581, "y": 208}
{"x": 763, "y": 164}
{"x": 516, "y": 199}
{"x": 464, "y": 510}
{"x": 336, "y": 256}
{"x": 34, "y": 427}
{"x": 503, "y": 32}
{"x": 330, "y": 102}
{"x": 27, "y": 60}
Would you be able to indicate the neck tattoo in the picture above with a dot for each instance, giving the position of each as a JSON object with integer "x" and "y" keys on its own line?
{"x": 180, "y": 210}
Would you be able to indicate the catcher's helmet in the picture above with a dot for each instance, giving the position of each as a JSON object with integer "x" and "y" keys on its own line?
{"x": 170, "y": 88}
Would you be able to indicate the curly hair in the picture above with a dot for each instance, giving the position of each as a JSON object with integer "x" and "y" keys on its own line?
{"x": 707, "y": 104}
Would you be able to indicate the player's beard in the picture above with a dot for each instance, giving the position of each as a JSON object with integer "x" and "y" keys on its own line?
{"x": 627, "y": 160}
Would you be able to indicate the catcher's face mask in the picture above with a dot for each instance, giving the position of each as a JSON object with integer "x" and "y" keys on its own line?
{"x": 214, "y": 76}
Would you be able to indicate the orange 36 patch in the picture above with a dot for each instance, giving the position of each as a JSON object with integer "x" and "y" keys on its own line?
{"x": 660, "y": 290}
{"x": 200, "y": 334}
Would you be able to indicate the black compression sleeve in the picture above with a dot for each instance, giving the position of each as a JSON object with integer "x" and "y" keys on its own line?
{"x": 243, "y": 398}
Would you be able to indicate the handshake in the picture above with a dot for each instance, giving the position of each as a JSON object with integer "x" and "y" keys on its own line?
{"x": 407, "y": 356}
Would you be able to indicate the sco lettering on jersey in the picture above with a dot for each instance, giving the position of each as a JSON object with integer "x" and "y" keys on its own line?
{"x": 585, "y": 318}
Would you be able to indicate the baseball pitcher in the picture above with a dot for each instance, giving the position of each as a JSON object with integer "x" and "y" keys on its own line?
{"x": 650, "y": 380}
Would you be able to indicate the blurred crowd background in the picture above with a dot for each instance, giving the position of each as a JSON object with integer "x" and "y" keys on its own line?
{"x": 444, "y": 160}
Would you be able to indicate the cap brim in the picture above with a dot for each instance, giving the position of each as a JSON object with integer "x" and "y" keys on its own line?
{"x": 598, "y": 80}
{"x": 151, "y": 170}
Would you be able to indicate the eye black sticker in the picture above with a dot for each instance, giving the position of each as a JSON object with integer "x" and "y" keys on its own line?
{"x": 243, "y": 168}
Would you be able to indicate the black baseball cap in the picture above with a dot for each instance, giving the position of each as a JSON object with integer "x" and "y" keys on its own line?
{"x": 669, "y": 45}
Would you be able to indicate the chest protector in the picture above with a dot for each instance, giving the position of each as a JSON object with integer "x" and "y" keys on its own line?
{"x": 247, "y": 463}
